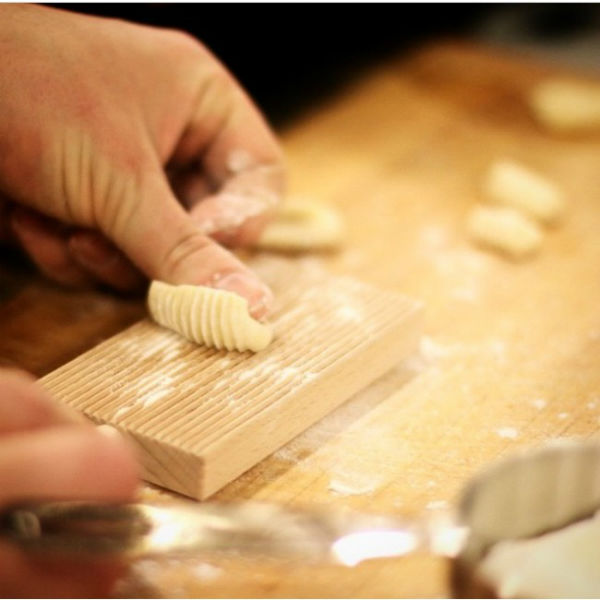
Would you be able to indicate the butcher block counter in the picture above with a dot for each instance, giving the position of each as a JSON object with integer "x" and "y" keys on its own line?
{"x": 510, "y": 353}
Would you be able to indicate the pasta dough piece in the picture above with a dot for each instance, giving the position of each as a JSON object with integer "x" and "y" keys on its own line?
{"x": 504, "y": 229}
{"x": 563, "y": 105}
{"x": 302, "y": 225}
{"x": 559, "y": 564}
{"x": 513, "y": 185}
{"x": 204, "y": 315}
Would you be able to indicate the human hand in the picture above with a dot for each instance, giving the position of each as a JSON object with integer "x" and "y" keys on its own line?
{"x": 115, "y": 135}
{"x": 45, "y": 455}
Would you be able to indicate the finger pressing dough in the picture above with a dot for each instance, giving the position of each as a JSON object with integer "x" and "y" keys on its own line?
{"x": 204, "y": 315}
{"x": 563, "y": 105}
{"x": 504, "y": 229}
{"x": 514, "y": 185}
{"x": 302, "y": 225}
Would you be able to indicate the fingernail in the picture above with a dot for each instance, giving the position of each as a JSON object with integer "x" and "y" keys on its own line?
{"x": 258, "y": 295}
{"x": 92, "y": 251}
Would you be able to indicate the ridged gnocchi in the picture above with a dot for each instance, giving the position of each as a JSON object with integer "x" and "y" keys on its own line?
{"x": 215, "y": 318}
{"x": 302, "y": 225}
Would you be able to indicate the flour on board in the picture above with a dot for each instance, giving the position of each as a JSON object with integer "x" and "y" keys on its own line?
{"x": 437, "y": 505}
{"x": 509, "y": 433}
{"x": 351, "y": 488}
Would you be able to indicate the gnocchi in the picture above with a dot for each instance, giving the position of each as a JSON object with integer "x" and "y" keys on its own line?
{"x": 564, "y": 105}
{"x": 302, "y": 225}
{"x": 511, "y": 184}
{"x": 504, "y": 229}
{"x": 215, "y": 318}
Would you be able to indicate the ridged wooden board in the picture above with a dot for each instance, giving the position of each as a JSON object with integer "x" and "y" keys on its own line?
{"x": 201, "y": 417}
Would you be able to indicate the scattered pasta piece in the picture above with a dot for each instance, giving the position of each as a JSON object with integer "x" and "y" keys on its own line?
{"x": 558, "y": 564}
{"x": 511, "y": 184}
{"x": 504, "y": 229}
{"x": 303, "y": 225}
{"x": 215, "y": 318}
{"x": 563, "y": 105}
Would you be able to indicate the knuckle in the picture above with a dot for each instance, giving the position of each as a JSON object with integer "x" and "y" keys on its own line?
{"x": 175, "y": 267}
{"x": 220, "y": 90}
{"x": 185, "y": 43}
{"x": 117, "y": 204}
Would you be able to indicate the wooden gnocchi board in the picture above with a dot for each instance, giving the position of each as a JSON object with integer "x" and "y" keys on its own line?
{"x": 200, "y": 417}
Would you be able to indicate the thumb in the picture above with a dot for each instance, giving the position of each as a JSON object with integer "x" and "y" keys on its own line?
{"x": 161, "y": 238}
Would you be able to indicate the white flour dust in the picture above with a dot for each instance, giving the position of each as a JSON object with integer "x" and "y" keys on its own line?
{"x": 465, "y": 293}
{"x": 508, "y": 433}
{"x": 351, "y": 488}
{"x": 207, "y": 572}
{"x": 369, "y": 442}
{"x": 153, "y": 397}
{"x": 156, "y": 573}
{"x": 434, "y": 237}
{"x": 272, "y": 371}
{"x": 349, "y": 313}
{"x": 461, "y": 266}
{"x": 162, "y": 348}
{"x": 239, "y": 160}
{"x": 539, "y": 403}
{"x": 432, "y": 350}
{"x": 121, "y": 412}
{"x": 148, "y": 391}
{"x": 437, "y": 505}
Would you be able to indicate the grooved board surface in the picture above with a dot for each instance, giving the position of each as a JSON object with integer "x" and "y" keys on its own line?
{"x": 510, "y": 355}
{"x": 201, "y": 417}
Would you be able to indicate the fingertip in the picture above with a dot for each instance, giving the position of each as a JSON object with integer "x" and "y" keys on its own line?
{"x": 25, "y": 405}
{"x": 249, "y": 286}
{"x": 165, "y": 243}
{"x": 15, "y": 375}
{"x": 106, "y": 467}
{"x": 68, "y": 462}
{"x": 117, "y": 462}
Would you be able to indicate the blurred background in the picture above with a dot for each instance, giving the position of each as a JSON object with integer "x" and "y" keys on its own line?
{"x": 290, "y": 56}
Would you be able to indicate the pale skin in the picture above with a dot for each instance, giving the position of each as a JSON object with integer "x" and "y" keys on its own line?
{"x": 127, "y": 153}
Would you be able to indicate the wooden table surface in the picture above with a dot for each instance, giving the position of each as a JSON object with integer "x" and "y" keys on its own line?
{"x": 510, "y": 355}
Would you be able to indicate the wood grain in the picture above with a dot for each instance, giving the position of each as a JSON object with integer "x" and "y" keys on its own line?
{"x": 44, "y": 325}
{"x": 200, "y": 417}
{"x": 511, "y": 352}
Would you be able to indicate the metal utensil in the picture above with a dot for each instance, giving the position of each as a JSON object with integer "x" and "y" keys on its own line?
{"x": 520, "y": 497}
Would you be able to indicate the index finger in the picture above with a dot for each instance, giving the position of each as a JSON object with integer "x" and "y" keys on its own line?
{"x": 25, "y": 405}
{"x": 235, "y": 156}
